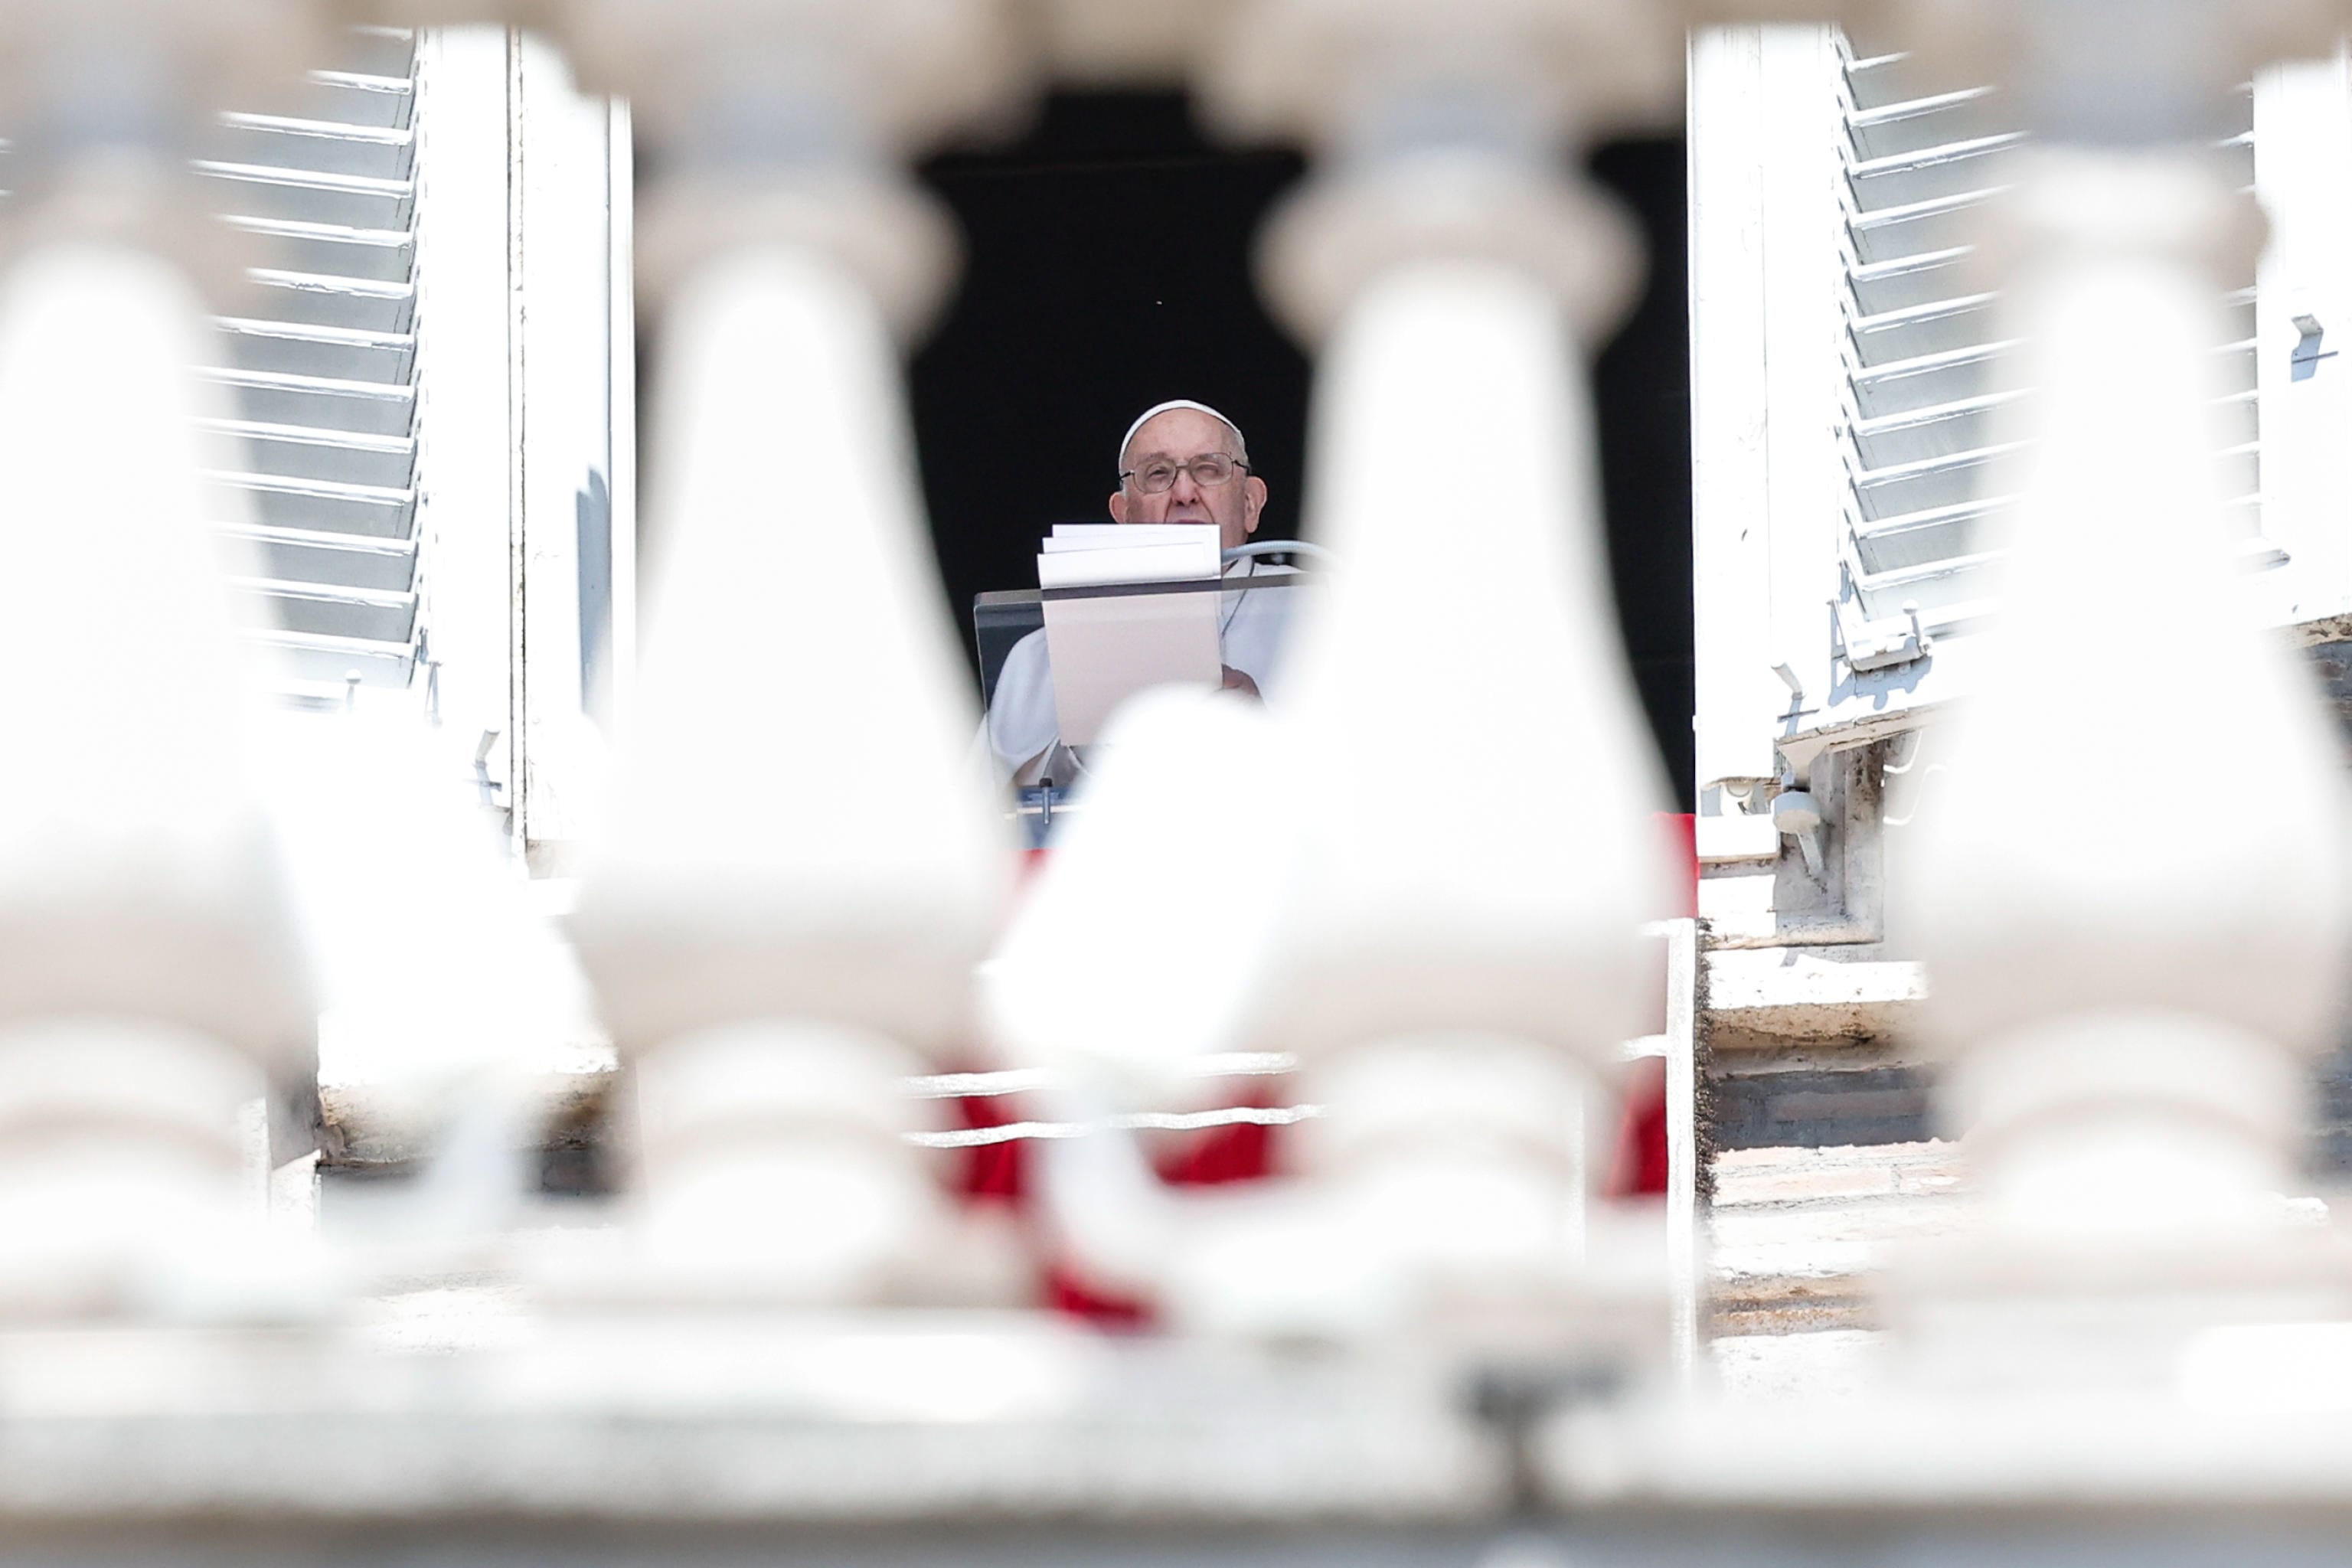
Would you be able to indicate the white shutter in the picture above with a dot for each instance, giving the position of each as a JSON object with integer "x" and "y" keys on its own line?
{"x": 431, "y": 386}
{"x": 1817, "y": 173}
{"x": 1927, "y": 376}
{"x": 1924, "y": 372}
{"x": 321, "y": 373}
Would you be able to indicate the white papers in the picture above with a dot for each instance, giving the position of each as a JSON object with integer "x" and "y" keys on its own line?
{"x": 1087, "y": 553}
{"x": 1127, "y": 535}
{"x": 1105, "y": 648}
{"x": 1151, "y": 563}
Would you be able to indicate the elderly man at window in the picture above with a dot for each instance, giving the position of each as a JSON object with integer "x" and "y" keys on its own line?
{"x": 1181, "y": 461}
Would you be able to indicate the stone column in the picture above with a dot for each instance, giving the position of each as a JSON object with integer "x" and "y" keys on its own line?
{"x": 2127, "y": 988}
{"x": 149, "y": 978}
{"x": 1457, "y": 958}
{"x": 803, "y": 867}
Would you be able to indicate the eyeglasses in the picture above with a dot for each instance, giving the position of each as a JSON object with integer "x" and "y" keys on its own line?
{"x": 1158, "y": 476}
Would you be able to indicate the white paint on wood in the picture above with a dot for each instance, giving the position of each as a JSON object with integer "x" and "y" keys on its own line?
{"x": 463, "y": 377}
{"x": 620, "y": 665}
{"x": 564, "y": 324}
{"x": 519, "y": 359}
{"x": 1804, "y": 370}
{"x": 2302, "y": 176}
{"x": 1737, "y": 697}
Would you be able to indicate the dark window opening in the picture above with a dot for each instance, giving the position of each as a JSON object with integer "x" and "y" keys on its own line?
{"x": 1108, "y": 266}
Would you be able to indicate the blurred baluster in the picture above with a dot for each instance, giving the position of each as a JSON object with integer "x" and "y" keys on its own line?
{"x": 804, "y": 870}
{"x": 444, "y": 997}
{"x": 1128, "y": 43}
{"x": 1458, "y": 959}
{"x": 2128, "y": 994}
{"x": 149, "y": 980}
{"x": 1133, "y": 958}
{"x": 1461, "y": 963}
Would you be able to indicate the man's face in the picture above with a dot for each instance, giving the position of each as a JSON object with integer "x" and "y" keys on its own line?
{"x": 1179, "y": 435}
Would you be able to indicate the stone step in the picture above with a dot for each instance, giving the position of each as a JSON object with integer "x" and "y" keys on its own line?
{"x": 1795, "y": 1234}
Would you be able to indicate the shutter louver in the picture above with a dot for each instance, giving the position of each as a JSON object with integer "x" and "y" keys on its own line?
{"x": 1925, "y": 375}
{"x": 322, "y": 374}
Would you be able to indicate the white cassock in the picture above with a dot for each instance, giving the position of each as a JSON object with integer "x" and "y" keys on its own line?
{"x": 1021, "y": 733}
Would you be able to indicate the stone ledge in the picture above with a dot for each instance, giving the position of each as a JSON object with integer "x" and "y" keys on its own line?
{"x": 1767, "y": 996}
{"x": 810, "y": 1419}
{"x": 1923, "y": 1473}
{"x": 365, "y": 1127}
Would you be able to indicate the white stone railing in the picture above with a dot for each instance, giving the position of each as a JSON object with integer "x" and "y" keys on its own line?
{"x": 774, "y": 956}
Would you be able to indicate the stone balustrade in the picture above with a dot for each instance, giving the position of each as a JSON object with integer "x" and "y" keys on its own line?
{"x": 1427, "y": 1328}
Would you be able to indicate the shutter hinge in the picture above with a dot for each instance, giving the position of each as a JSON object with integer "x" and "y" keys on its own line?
{"x": 1879, "y": 644}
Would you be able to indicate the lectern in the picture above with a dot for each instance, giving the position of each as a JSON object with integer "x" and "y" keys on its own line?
{"x": 1105, "y": 642}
